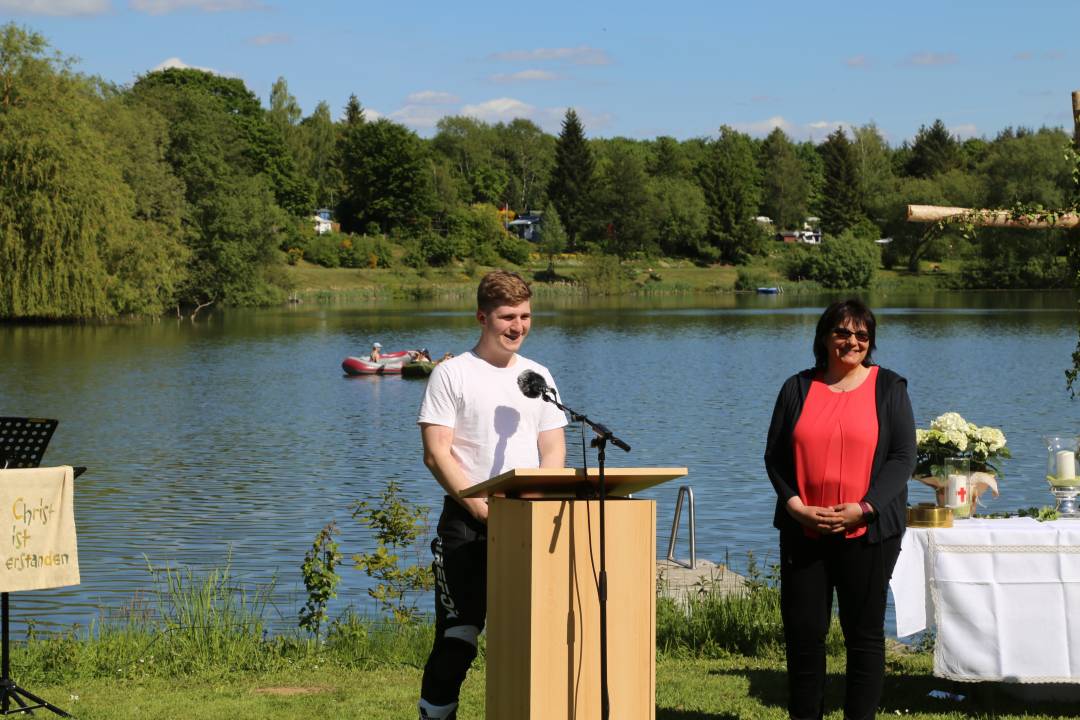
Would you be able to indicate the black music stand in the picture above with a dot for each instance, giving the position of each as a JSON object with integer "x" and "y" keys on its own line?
{"x": 22, "y": 443}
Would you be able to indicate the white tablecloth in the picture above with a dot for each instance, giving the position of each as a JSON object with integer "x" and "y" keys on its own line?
{"x": 1003, "y": 596}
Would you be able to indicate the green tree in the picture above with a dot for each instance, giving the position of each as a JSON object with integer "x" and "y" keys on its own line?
{"x": 1030, "y": 168}
{"x": 75, "y": 240}
{"x": 875, "y": 172}
{"x": 386, "y": 181}
{"x": 219, "y": 149}
{"x": 261, "y": 145}
{"x": 814, "y": 172}
{"x": 571, "y": 185}
{"x": 730, "y": 180}
{"x": 552, "y": 238}
{"x": 934, "y": 151}
{"x": 784, "y": 197}
{"x": 681, "y": 216}
{"x": 528, "y": 155}
{"x": 319, "y": 137}
{"x": 624, "y": 204}
{"x": 840, "y": 205}
{"x": 468, "y": 144}
{"x": 668, "y": 159}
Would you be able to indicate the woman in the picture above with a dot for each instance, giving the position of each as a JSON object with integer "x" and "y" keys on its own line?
{"x": 840, "y": 450}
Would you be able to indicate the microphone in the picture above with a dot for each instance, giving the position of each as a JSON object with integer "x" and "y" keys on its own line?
{"x": 532, "y": 384}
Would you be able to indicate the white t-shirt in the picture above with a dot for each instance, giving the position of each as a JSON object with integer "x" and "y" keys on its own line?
{"x": 495, "y": 425}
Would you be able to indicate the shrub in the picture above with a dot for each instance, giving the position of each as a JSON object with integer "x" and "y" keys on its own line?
{"x": 323, "y": 250}
{"x": 751, "y": 278}
{"x": 513, "y": 249}
{"x": 846, "y": 261}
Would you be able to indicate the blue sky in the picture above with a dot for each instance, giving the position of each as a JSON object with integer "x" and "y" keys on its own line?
{"x": 680, "y": 67}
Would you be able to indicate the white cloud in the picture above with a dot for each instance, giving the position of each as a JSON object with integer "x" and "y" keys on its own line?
{"x": 583, "y": 55}
{"x": 175, "y": 62}
{"x": 524, "y": 76}
{"x": 820, "y": 129}
{"x": 816, "y": 131}
{"x": 499, "y": 110}
{"x": 423, "y": 113}
{"x": 431, "y": 97}
{"x": 931, "y": 59}
{"x": 1055, "y": 55}
{"x": 56, "y": 7}
{"x": 270, "y": 39}
{"x": 1023, "y": 56}
{"x": 857, "y": 61}
{"x": 964, "y": 130}
{"x": 420, "y": 117}
{"x": 764, "y": 127}
{"x": 164, "y": 7}
{"x": 550, "y": 119}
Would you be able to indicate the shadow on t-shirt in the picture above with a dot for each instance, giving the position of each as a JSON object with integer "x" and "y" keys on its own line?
{"x": 507, "y": 420}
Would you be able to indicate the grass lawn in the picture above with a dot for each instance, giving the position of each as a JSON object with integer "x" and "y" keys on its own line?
{"x": 724, "y": 688}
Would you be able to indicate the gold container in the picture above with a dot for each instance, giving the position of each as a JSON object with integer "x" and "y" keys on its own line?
{"x": 929, "y": 515}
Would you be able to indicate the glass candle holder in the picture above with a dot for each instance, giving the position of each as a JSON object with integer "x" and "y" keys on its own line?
{"x": 1061, "y": 472}
{"x": 957, "y": 471}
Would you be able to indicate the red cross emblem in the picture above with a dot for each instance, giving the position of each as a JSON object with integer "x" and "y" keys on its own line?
{"x": 962, "y": 492}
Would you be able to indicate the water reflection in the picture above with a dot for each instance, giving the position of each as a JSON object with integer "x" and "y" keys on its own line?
{"x": 239, "y": 433}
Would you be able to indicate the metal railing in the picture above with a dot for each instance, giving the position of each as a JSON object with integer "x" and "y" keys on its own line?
{"x": 684, "y": 491}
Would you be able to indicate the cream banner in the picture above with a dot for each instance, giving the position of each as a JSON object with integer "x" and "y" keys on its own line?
{"x": 37, "y": 529}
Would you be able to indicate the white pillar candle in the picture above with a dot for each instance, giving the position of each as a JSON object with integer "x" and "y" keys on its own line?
{"x": 1066, "y": 465}
{"x": 957, "y": 491}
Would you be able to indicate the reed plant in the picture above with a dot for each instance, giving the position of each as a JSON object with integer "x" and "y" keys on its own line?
{"x": 206, "y": 624}
{"x": 712, "y": 624}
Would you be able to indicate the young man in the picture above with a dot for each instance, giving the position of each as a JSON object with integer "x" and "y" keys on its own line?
{"x": 475, "y": 424}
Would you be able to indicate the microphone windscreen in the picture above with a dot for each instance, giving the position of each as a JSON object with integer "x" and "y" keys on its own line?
{"x": 531, "y": 383}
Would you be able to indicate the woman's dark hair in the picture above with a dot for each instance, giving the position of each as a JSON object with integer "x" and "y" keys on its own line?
{"x": 833, "y": 317}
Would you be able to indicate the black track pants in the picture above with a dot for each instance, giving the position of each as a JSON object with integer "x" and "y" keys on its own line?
{"x": 460, "y": 568}
{"x": 859, "y": 572}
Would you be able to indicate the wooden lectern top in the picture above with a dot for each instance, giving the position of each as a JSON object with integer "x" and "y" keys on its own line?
{"x": 566, "y": 482}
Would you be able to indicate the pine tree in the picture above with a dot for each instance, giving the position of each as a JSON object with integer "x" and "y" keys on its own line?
{"x": 730, "y": 179}
{"x": 570, "y": 188}
{"x": 840, "y": 205}
{"x": 783, "y": 182}
{"x": 934, "y": 151}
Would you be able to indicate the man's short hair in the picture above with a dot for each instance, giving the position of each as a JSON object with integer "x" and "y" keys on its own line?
{"x": 501, "y": 287}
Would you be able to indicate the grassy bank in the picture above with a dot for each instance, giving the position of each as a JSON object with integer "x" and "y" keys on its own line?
{"x": 200, "y": 650}
{"x": 575, "y": 275}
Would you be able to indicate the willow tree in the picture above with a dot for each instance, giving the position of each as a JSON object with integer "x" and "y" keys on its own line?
{"x": 71, "y": 242}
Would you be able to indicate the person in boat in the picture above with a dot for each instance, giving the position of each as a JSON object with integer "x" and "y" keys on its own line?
{"x": 445, "y": 357}
{"x": 840, "y": 451}
{"x": 376, "y": 351}
{"x": 475, "y": 423}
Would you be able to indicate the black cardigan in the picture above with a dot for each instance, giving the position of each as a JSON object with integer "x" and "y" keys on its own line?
{"x": 894, "y": 457}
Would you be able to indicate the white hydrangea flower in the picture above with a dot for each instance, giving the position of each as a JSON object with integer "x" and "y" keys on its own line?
{"x": 949, "y": 421}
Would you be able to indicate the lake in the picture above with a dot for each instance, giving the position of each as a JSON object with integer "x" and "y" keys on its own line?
{"x": 239, "y": 437}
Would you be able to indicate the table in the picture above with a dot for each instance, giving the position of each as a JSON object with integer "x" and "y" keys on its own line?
{"x": 1003, "y": 596}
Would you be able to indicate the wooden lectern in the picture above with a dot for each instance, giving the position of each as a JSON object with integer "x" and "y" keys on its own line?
{"x": 543, "y": 615}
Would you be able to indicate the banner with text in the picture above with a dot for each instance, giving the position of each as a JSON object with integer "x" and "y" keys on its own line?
{"x": 37, "y": 529}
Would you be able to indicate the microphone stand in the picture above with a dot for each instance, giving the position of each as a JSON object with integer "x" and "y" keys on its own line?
{"x": 600, "y": 441}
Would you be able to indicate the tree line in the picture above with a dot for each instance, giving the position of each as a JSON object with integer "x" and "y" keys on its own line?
{"x": 183, "y": 191}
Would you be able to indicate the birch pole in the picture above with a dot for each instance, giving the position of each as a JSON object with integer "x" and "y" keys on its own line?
{"x": 1004, "y": 218}
{"x": 992, "y": 218}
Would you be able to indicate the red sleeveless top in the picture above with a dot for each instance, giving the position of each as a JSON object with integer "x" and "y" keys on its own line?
{"x": 834, "y": 443}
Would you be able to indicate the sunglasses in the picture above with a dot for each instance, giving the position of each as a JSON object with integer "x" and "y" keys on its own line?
{"x": 845, "y": 334}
